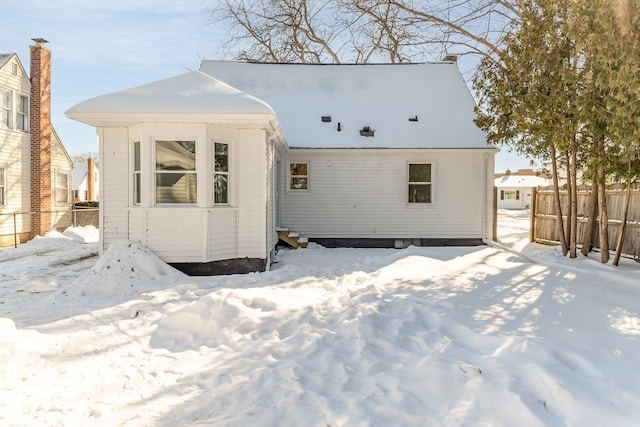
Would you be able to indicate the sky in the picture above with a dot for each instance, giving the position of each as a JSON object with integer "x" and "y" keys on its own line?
{"x": 101, "y": 46}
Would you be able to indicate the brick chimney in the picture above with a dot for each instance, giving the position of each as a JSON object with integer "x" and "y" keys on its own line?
{"x": 90, "y": 180}
{"x": 41, "y": 136}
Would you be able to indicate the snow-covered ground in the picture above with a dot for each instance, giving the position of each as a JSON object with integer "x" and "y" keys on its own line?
{"x": 330, "y": 337}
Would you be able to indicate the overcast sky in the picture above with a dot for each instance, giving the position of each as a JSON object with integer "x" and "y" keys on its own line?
{"x": 102, "y": 46}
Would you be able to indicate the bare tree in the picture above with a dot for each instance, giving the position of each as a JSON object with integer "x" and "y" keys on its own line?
{"x": 334, "y": 31}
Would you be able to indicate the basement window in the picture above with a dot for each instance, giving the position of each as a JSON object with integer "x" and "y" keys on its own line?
{"x": 420, "y": 182}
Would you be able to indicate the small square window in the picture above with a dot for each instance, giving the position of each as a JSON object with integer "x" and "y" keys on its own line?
{"x": 299, "y": 176}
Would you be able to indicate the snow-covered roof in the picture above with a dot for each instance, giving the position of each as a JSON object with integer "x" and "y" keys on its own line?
{"x": 521, "y": 181}
{"x": 406, "y": 105}
{"x": 80, "y": 171}
{"x": 193, "y": 97}
{"x": 4, "y": 58}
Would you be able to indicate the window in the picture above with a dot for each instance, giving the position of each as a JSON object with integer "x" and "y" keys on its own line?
{"x": 3, "y": 185}
{"x": 221, "y": 174}
{"x": 136, "y": 173}
{"x": 62, "y": 187}
{"x": 176, "y": 172}
{"x": 22, "y": 115}
{"x": 509, "y": 195}
{"x": 420, "y": 183}
{"x": 6, "y": 108}
{"x": 299, "y": 176}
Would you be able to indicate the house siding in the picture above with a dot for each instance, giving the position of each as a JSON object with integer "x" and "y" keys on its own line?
{"x": 114, "y": 163}
{"x": 252, "y": 193}
{"x": 363, "y": 194}
{"x": 60, "y": 162}
{"x": 15, "y": 149}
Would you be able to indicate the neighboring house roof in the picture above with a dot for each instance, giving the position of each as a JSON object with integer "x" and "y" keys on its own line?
{"x": 4, "y": 58}
{"x": 522, "y": 181}
{"x": 80, "y": 171}
{"x": 382, "y": 97}
{"x": 192, "y": 97}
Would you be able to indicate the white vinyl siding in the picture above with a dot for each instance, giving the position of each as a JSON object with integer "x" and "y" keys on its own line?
{"x": 363, "y": 194}
{"x": 114, "y": 194}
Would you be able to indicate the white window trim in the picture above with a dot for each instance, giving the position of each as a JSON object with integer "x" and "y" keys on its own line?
{"x": 135, "y": 172}
{"x": 289, "y": 176}
{"x": 433, "y": 184}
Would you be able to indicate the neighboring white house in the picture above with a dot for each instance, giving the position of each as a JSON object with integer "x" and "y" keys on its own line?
{"x": 85, "y": 182}
{"x": 514, "y": 189}
{"x": 35, "y": 168}
{"x": 375, "y": 155}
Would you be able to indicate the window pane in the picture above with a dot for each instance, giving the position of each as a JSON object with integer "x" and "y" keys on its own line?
{"x": 2, "y": 169}
{"x": 5, "y": 108}
{"x": 136, "y": 188}
{"x": 176, "y": 155}
{"x": 419, "y": 193}
{"x": 221, "y": 157}
{"x": 23, "y": 106}
{"x": 176, "y": 188}
{"x": 420, "y": 173}
{"x": 298, "y": 169}
{"x": 221, "y": 189}
{"x": 136, "y": 156}
{"x": 298, "y": 183}
{"x": 62, "y": 187}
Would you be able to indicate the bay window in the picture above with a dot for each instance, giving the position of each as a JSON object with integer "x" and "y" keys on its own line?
{"x": 176, "y": 178}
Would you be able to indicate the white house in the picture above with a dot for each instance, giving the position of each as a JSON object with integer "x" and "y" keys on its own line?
{"x": 35, "y": 168}
{"x": 357, "y": 155}
{"x": 85, "y": 183}
{"x": 514, "y": 189}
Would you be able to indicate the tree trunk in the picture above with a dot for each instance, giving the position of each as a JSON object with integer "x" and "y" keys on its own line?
{"x": 623, "y": 226}
{"x": 556, "y": 199}
{"x": 569, "y": 220}
{"x": 587, "y": 242}
{"x": 574, "y": 205}
{"x": 602, "y": 205}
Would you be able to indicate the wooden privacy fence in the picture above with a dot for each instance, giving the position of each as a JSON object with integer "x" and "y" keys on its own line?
{"x": 543, "y": 216}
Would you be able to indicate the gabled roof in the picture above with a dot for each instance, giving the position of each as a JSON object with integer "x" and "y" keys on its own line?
{"x": 190, "y": 97}
{"x": 80, "y": 172}
{"x": 387, "y": 98}
{"x": 5, "y": 58}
